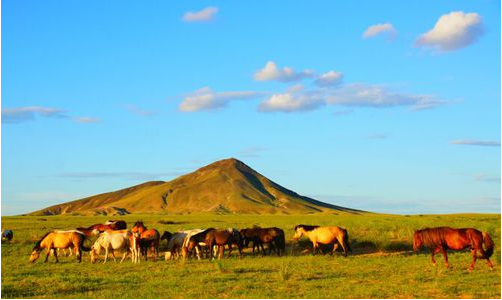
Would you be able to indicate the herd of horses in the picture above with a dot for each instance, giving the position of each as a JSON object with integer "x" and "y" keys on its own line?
{"x": 113, "y": 236}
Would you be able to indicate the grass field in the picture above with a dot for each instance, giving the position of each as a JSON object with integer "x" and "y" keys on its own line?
{"x": 380, "y": 267}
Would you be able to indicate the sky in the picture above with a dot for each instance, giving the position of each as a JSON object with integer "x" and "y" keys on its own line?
{"x": 386, "y": 106}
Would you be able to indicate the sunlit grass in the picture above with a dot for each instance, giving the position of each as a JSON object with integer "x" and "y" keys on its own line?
{"x": 380, "y": 267}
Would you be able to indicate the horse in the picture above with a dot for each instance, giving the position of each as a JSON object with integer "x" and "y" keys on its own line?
{"x": 324, "y": 235}
{"x": 111, "y": 241}
{"x": 194, "y": 240}
{"x": 272, "y": 236}
{"x": 88, "y": 232}
{"x": 148, "y": 237}
{"x": 117, "y": 224}
{"x": 440, "y": 239}
{"x": 134, "y": 242}
{"x": 175, "y": 241}
{"x": 216, "y": 237}
{"x": 7, "y": 235}
{"x": 101, "y": 227}
{"x": 59, "y": 240}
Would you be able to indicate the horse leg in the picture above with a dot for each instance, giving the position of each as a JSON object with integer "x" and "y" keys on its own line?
{"x": 106, "y": 255}
{"x": 434, "y": 251}
{"x": 78, "y": 252}
{"x": 48, "y": 253}
{"x": 56, "y": 255}
{"x": 222, "y": 251}
{"x": 445, "y": 255}
{"x": 314, "y": 248}
{"x": 123, "y": 256}
{"x": 229, "y": 249}
{"x": 335, "y": 246}
{"x": 473, "y": 252}
{"x": 489, "y": 263}
{"x": 113, "y": 255}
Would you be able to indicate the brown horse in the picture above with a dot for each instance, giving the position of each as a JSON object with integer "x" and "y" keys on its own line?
{"x": 148, "y": 238}
{"x": 101, "y": 227}
{"x": 324, "y": 235}
{"x": 117, "y": 224}
{"x": 215, "y": 237}
{"x": 59, "y": 240}
{"x": 272, "y": 236}
{"x": 440, "y": 239}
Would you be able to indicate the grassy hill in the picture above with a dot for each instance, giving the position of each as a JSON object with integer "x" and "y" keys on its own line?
{"x": 225, "y": 186}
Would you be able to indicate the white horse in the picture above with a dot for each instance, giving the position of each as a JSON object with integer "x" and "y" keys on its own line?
{"x": 111, "y": 240}
{"x": 177, "y": 242}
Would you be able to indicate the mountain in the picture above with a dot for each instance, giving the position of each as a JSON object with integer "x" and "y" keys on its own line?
{"x": 225, "y": 186}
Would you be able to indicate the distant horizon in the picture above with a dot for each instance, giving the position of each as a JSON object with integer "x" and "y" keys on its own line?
{"x": 384, "y": 106}
{"x": 342, "y": 201}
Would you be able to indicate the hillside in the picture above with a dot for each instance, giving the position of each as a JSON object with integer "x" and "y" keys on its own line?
{"x": 225, "y": 186}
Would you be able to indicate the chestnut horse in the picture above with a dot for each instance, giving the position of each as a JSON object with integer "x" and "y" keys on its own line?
{"x": 59, "y": 240}
{"x": 440, "y": 239}
{"x": 216, "y": 237}
{"x": 324, "y": 235}
{"x": 148, "y": 238}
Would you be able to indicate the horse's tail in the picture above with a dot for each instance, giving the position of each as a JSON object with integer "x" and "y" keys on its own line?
{"x": 488, "y": 245}
{"x": 346, "y": 240}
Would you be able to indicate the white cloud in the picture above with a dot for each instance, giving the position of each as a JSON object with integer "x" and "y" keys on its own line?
{"x": 476, "y": 143}
{"x": 140, "y": 112}
{"x": 87, "y": 120}
{"x": 377, "y": 136}
{"x": 292, "y": 101}
{"x": 378, "y": 96}
{"x": 207, "y": 99}
{"x": 207, "y": 14}
{"x": 329, "y": 78}
{"x": 453, "y": 31}
{"x": 379, "y": 29}
{"x": 352, "y": 95}
{"x": 272, "y": 72}
{"x": 486, "y": 178}
{"x": 27, "y": 113}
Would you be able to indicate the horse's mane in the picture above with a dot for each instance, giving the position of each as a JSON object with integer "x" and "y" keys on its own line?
{"x": 37, "y": 245}
{"x": 432, "y": 236}
{"x": 307, "y": 227}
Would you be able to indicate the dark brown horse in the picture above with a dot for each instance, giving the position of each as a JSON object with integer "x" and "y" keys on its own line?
{"x": 272, "y": 236}
{"x": 117, "y": 224}
{"x": 148, "y": 238}
{"x": 216, "y": 237}
{"x": 440, "y": 239}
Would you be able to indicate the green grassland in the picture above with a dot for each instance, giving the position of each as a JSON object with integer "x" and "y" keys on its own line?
{"x": 381, "y": 266}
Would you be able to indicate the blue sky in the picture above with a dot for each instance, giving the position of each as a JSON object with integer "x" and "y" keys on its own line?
{"x": 383, "y": 106}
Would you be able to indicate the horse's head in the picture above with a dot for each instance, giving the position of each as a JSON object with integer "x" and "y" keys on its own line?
{"x": 166, "y": 236}
{"x": 417, "y": 241}
{"x": 138, "y": 227}
{"x": 94, "y": 255}
{"x": 299, "y": 230}
{"x": 35, "y": 254}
